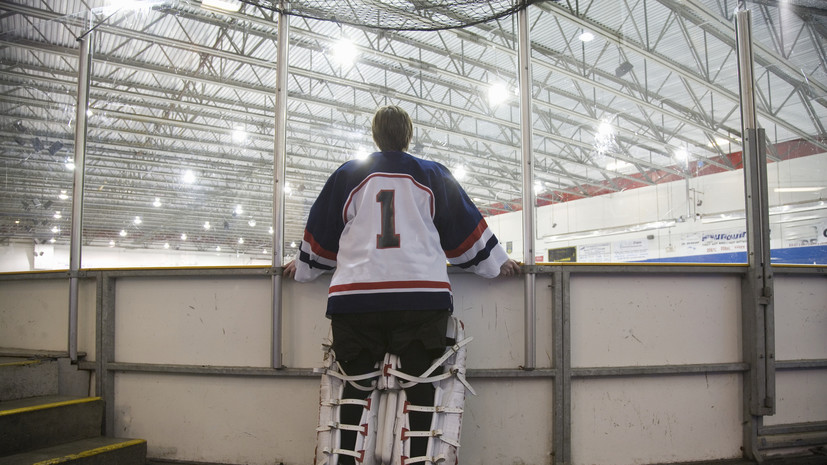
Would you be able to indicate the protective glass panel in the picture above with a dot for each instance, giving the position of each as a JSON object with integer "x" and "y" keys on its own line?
{"x": 791, "y": 100}
{"x": 37, "y": 112}
{"x": 446, "y": 80}
{"x": 636, "y": 134}
{"x": 179, "y": 164}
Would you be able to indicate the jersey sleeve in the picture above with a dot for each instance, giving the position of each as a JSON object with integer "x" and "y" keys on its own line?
{"x": 320, "y": 244}
{"x": 467, "y": 240}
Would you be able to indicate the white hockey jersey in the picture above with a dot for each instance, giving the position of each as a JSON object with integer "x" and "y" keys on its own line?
{"x": 387, "y": 224}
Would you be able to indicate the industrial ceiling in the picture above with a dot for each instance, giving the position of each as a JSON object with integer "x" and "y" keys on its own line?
{"x": 180, "y": 140}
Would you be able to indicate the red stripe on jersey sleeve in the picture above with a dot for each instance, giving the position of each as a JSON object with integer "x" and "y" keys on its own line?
{"x": 472, "y": 239}
{"x": 318, "y": 249}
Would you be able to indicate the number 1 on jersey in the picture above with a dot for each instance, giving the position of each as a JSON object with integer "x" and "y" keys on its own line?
{"x": 387, "y": 238}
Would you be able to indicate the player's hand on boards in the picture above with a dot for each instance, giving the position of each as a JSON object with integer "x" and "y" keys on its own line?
{"x": 510, "y": 268}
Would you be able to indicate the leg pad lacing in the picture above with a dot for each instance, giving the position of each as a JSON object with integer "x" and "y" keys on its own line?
{"x": 383, "y": 435}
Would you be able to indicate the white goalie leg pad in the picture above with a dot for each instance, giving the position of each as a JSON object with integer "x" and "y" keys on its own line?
{"x": 328, "y": 433}
{"x": 449, "y": 402}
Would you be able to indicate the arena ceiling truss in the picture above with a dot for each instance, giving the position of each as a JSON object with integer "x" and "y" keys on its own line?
{"x": 181, "y": 122}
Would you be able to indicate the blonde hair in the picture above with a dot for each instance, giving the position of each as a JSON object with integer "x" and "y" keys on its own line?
{"x": 392, "y": 128}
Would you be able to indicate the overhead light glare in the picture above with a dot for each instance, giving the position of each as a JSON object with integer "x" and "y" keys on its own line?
{"x": 63, "y": 195}
{"x": 252, "y": 223}
{"x": 188, "y": 177}
{"x": 218, "y": 248}
{"x": 123, "y": 233}
{"x": 586, "y": 36}
{"x": 57, "y": 216}
{"x": 111, "y": 243}
{"x": 361, "y": 154}
{"x": 617, "y": 165}
{"x": 497, "y": 93}
{"x": 157, "y": 202}
{"x": 206, "y": 225}
{"x": 166, "y": 245}
{"x": 344, "y": 52}
{"x": 184, "y": 236}
{"x": 293, "y": 244}
{"x": 137, "y": 221}
{"x": 238, "y": 210}
{"x": 70, "y": 164}
{"x": 55, "y": 229}
{"x": 271, "y": 230}
{"x": 239, "y": 135}
{"x": 460, "y": 173}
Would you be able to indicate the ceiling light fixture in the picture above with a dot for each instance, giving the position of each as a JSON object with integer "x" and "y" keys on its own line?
{"x": 184, "y": 236}
{"x": 460, "y": 173}
{"x": 586, "y": 36}
{"x": 206, "y": 225}
{"x": 137, "y": 221}
{"x": 157, "y": 202}
{"x": 63, "y": 195}
{"x": 240, "y": 240}
{"x": 239, "y": 135}
{"x": 344, "y": 52}
{"x": 123, "y": 233}
{"x": 497, "y": 93}
{"x": 188, "y": 177}
{"x": 252, "y": 223}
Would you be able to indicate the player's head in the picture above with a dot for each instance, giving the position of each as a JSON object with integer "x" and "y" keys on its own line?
{"x": 392, "y": 128}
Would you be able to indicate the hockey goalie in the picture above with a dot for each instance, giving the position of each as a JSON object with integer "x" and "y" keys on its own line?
{"x": 386, "y": 225}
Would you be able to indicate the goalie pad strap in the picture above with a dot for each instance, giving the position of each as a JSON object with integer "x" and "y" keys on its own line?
{"x": 343, "y": 426}
{"x": 363, "y": 403}
{"x": 448, "y": 353}
{"x": 437, "y": 459}
{"x": 438, "y": 409}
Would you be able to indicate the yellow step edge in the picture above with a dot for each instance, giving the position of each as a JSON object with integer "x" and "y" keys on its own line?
{"x": 20, "y": 363}
{"x": 91, "y": 452}
{"x": 33, "y": 408}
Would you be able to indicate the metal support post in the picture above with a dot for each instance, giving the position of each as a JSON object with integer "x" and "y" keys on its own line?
{"x": 280, "y": 147}
{"x": 757, "y": 286}
{"x": 105, "y": 349}
{"x": 561, "y": 306}
{"x": 84, "y": 78}
{"x": 528, "y": 190}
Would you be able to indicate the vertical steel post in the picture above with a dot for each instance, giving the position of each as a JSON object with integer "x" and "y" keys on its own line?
{"x": 279, "y": 156}
{"x": 524, "y": 63}
{"x": 757, "y": 285}
{"x": 84, "y": 78}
